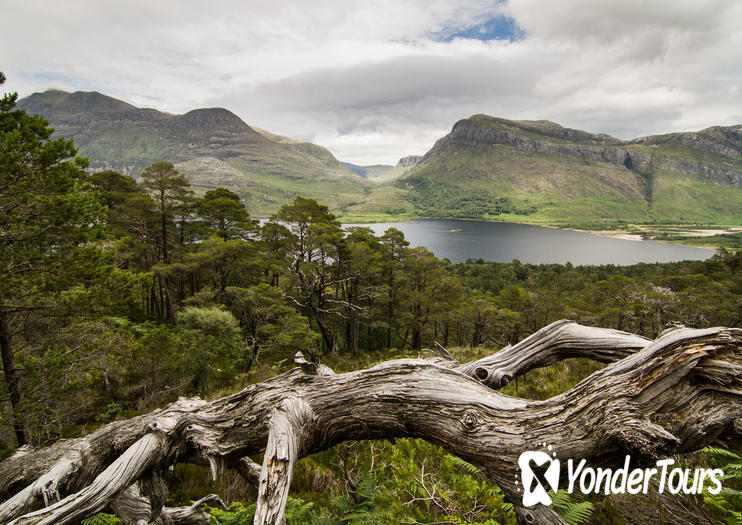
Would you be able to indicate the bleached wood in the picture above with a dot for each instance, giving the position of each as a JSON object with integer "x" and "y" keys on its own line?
{"x": 672, "y": 395}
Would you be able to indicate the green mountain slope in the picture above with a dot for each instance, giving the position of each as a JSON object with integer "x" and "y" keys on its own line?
{"x": 538, "y": 171}
{"x": 534, "y": 171}
{"x": 213, "y": 147}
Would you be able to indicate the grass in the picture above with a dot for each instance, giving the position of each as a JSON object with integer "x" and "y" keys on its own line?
{"x": 574, "y": 191}
{"x": 729, "y": 241}
{"x": 381, "y": 204}
{"x": 685, "y": 200}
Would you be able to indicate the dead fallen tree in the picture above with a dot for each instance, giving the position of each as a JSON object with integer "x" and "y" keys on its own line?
{"x": 675, "y": 394}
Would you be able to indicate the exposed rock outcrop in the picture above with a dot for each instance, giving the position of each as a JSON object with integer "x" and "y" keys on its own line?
{"x": 409, "y": 161}
{"x": 488, "y": 166}
{"x": 548, "y": 138}
{"x": 472, "y": 133}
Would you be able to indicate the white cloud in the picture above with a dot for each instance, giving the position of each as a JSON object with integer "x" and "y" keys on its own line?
{"x": 376, "y": 80}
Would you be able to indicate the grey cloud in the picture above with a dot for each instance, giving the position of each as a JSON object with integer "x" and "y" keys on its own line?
{"x": 606, "y": 21}
{"x": 394, "y": 96}
{"x": 367, "y": 79}
{"x": 394, "y": 82}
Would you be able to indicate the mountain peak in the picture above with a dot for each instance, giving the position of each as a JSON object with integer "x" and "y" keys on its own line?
{"x": 544, "y": 128}
{"x": 215, "y": 118}
{"x": 63, "y": 103}
{"x": 212, "y": 146}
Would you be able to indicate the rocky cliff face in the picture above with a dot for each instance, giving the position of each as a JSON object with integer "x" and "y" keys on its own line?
{"x": 541, "y": 168}
{"x": 713, "y": 155}
{"x": 547, "y": 138}
{"x": 409, "y": 161}
{"x": 719, "y": 140}
{"x": 474, "y": 133}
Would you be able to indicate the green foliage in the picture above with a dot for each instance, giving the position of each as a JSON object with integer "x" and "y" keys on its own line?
{"x": 409, "y": 481}
{"x": 437, "y": 199}
{"x": 211, "y": 322}
{"x": 728, "y": 503}
{"x": 297, "y": 511}
{"x": 224, "y": 213}
{"x": 211, "y": 346}
{"x": 237, "y": 514}
{"x": 728, "y": 241}
{"x": 170, "y": 190}
{"x": 573, "y": 512}
{"x": 175, "y": 295}
{"x": 101, "y": 519}
{"x": 50, "y": 219}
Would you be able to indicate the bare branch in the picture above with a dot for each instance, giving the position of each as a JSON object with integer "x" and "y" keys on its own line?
{"x": 290, "y": 431}
{"x": 557, "y": 341}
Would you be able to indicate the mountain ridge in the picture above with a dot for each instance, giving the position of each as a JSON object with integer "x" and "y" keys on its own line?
{"x": 539, "y": 171}
{"x": 486, "y": 167}
{"x": 212, "y": 146}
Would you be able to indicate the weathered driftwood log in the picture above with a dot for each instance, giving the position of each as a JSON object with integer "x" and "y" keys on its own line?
{"x": 559, "y": 340}
{"x": 672, "y": 395}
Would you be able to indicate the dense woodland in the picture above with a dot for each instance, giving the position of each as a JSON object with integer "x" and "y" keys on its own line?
{"x": 118, "y": 295}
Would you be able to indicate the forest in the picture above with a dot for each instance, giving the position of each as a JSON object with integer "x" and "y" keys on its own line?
{"x": 118, "y": 296}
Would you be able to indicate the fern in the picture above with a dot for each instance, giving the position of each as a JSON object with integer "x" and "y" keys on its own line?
{"x": 298, "y": 510}
{"x": 574, "y": 513}
{"x": 363, "y": 512}
{"x": 727, "y": 501}
{"x": 238, "y": 514}
{"x": 360, "y": 516}
{"x": 101, "y": 519}
{"x": 719, "y": 452}
{"x": 464, "y": 465}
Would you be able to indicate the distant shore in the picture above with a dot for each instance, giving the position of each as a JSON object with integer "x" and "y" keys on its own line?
{"x": 639, "y": 232}
{"x": 614, "y": 234}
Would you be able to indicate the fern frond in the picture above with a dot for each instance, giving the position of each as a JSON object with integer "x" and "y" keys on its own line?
{"x": 465, "y": 465}
{"x": 720, "y": 452}
{"x": 579, "y": 513}
{"x": 102, "y": 519}
{"x": 574, "y": 513}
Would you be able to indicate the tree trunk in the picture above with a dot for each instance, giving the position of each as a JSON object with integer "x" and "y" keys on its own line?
{"x": 673, "y": 395}
{"x": 390, "y": 313}
{"x": 154, "y": 301}
{"x": 169, "y": 312}
{"x": 12, "y": 378}
{"x": 328, "y": 339}
{"x": 163, "y": 213}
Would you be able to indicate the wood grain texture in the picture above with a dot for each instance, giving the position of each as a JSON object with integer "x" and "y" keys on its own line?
{"x": 675, "y": 394}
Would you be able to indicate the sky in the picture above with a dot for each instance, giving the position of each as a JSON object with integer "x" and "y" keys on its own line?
{"x": 377, "y": 80}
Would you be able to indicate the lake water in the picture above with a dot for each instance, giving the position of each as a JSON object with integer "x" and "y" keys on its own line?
{"x": 459, "y": 240}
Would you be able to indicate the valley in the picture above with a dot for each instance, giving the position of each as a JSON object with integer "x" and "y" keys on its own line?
{"x": 486, "y": 168}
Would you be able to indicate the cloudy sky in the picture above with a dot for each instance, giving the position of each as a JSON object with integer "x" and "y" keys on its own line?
{"x": 379, "y": 79}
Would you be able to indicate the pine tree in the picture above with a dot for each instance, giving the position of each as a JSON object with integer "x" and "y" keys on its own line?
{"x": 170, "y": 191}
{"x": 48, "y": 212}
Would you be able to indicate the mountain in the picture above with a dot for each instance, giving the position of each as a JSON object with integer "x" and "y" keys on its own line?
{"x": 213, "y": 147}
{"x": 486, "y": 167}
{"x": 539, "y": 171}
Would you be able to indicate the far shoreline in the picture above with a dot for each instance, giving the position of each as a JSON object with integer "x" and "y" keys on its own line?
{"x": 702, "y": 231}
{"x": 688, "y": 231}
